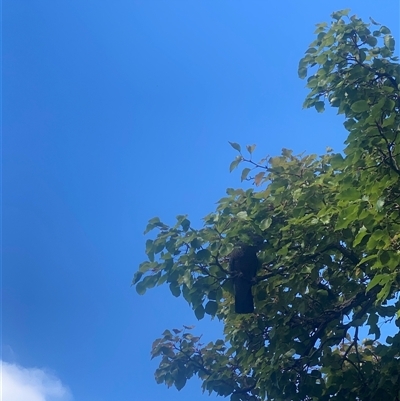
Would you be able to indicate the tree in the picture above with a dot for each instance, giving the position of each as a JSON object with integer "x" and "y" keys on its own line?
{"x": 330, "y": 260}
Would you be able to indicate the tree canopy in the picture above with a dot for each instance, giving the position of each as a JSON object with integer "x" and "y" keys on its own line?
{"x": 330, "y": 264}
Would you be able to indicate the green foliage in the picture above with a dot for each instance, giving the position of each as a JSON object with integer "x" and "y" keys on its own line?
{"x": 331, "y": 258}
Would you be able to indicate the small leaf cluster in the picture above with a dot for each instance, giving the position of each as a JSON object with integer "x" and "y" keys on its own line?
{"x": 330, "y": 262}
{"x": 183, "y": 355}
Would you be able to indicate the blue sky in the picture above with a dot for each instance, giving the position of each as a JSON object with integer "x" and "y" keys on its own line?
{"x": 113, "y": 113}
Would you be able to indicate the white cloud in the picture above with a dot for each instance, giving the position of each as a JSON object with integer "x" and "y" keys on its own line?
{"x": 31, "y": 384}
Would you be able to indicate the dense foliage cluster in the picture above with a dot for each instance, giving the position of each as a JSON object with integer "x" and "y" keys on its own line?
{"x": 330, "y": 265}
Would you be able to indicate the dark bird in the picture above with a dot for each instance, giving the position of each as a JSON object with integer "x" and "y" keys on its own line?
{"x": 244, "y": 263}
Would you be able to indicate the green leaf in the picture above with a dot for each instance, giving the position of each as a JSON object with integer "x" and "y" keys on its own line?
{"x": 389, "y": 104}
{"x": 339, "y": 14}
{"x": 367, "y": 259}
{"x": 384, "y": 292}
{"x": 380, "y": 279}
{"x": 360, "y": 106}
{"x": 373, "y": 21}
{"x": 385, "y": 30}
{"x": 349, "y": 194}
{"x": 384, "y": 257}
{"x": 199, "y": 312}
{"x": 378, "y": 239}
{"x": 360, "y": 235}
{"x": 235, "y": 163}
{"x": 320, "y": 107}
{"x": 185, "y": 224}
{"x": 372, "y": 41}
{"x": 136, "y": 277}
{"x": 180, "y": 380}
{"x": 154, "y": 220}
{"x": 375, "y": 330}
{"x": 175, "y": 290}
{"x": 290, "y": 353}
{"x": 141, "y": 288}
{"x": 389, "y": 42}
{"x": 242, "y": 215}
{"x": 245, "y": 173}
{"x": 311, "y": 50}
{"x": 258, "y": 178}
{"x": 302, "y": 72}
{"x": 235, "y": 146}
{"x": 266, "y": 223}
{"x": 151, "y": 281}
{"x": 203, "y": 255}
{"x": 211, "y": 308}
{"x": 337, "y": 161}
{"x": 361, "y": 55}
{"x": 250, "y": 148}
{"x": 379, "y": 204}
{"x": 390, "y": 120}
{"x": 347, "y": 216}
{"x": 149, "y": 246}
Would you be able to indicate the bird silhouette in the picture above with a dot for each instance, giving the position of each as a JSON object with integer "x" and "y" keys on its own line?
{"x": 244, "y": 263}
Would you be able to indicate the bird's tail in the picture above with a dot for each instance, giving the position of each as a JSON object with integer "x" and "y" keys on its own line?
{"x": 243, "y": 297}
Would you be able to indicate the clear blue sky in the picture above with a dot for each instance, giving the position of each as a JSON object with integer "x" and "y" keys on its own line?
{"x": 115, "y": 112}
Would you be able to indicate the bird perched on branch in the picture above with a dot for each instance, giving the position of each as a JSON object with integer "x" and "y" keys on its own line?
{"x": 244, "y": 263}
